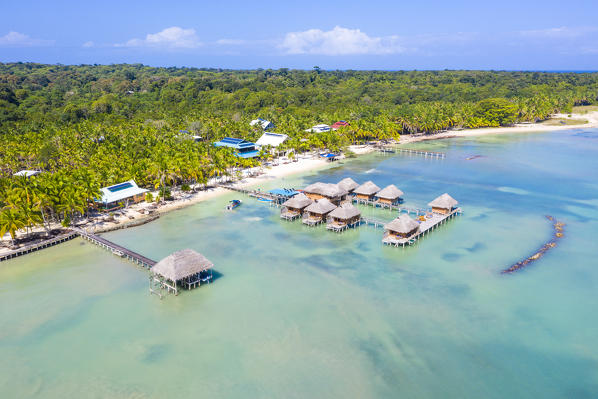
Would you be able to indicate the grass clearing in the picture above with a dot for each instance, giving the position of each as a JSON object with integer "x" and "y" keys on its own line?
{"x": 564, "y": 122}
{"x": 584, "y": 109}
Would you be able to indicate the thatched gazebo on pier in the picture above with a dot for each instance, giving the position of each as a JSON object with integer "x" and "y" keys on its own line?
{"x": 444, "y": 204}
{"x": 316, "y": 212}
{"x": 185, "y": 267}
{"x": 293, "y": 208}
{"x": 366, "y": 191}
{"x": 332, "y": 192}
{"x": 389, "y": 195}
{"x": 343, "y": 217}
{"x": 400, "y": 230}
{"x": 348, "y": 184}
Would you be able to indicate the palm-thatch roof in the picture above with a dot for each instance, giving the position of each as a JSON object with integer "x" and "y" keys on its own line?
{"x": 345, "y": 211}
{"x": 403, "y": 224}
{"x": 299, "y": 201}
{"x": 389, "y": 192}
{"x": 321, "y": 206}
{"x": 367, "y": 188}
{"x": 348, "y": 184}
{"x": 445, "y": 201}
{"x": 182, "y": 264}
{"x": 326, "y": 189}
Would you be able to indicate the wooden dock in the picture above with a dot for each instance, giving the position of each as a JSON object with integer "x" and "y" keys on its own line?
{"x": 425, "y": 227}
{"x": 425, "y": 154}
{"x": 393, "y": 207}
{"x": 117, "y": 249}
{"x": 41, "y": 245}
{"x": 275, "y": 198}
{"x": 377, "y": 223}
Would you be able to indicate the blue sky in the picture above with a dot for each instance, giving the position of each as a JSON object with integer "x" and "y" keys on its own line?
{"x": 523, "y": 34}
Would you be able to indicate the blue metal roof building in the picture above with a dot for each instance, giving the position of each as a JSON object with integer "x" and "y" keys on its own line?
{"x": 244, "y": 149}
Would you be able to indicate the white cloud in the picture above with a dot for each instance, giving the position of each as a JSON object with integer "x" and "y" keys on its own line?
{"x": 16, "y": 39}
{"x": 562, "y": 32}
{"x": 173, "y": 37}
{"x": 339, "y": 41}
{"x": 88, "y": 44}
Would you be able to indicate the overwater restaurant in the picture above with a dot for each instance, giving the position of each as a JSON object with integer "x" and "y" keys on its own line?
{"x": 122, "y": 194}
{"x": 332, "y": 192}
{"x": 367, "y": 191}
{"x": 444, "y": 204}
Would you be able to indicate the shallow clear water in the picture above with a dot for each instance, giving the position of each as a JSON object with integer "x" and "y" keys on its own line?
{"x": 298, "y": 312}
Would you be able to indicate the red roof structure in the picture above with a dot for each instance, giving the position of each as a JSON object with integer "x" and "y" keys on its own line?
{"x": 339, "y": 124}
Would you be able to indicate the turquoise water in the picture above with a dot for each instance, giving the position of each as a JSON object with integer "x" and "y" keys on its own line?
{"x": 297, "y": 312}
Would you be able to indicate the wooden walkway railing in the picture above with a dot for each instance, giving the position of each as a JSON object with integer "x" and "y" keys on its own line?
{"x": 400, "y": 208}
{"x": 425, "y": 154}
{"x": 117, "y": 249}
{"x": 41, "y": 245}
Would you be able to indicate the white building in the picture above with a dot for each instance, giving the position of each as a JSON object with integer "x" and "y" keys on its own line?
{"x": 271, "y": 139}
{"x": 264, "y": 124}
{"x": 126, "y": 193}
{"x": 27, "y": 173}
{"x": 319, "y": 128}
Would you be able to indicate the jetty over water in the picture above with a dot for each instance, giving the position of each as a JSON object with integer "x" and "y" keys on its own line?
{"x": 41, "y": 245}
{"x": 425, "y": 154}
{"x": 425, "y": 227}
{"x": 117, "y": 249}
{"x": 276, "y": 196}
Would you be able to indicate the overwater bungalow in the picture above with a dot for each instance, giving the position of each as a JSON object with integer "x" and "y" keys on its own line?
{"x": 348, "y": 184}
{"x": 333, "y": 192}
{"x": 185, "y": 268}
{"x": 444, "y": 204}
{"x": 343, "y": 217}
{"x": 389, "y": 195}
{"x": 316, "y": 213}
{"x": 367, "y": 191}
{"x": 400, "y": 230}
{"x": 293, "y": 208}
{"x": 121, "y": 194}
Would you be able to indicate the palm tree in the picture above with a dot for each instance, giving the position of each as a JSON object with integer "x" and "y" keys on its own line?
{"x": 10, "y": 221}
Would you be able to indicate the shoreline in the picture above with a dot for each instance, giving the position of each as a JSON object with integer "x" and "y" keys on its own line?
{"x": 132, "y": 217}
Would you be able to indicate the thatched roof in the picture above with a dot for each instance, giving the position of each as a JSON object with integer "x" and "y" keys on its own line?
{"x": 299, "y": 201}
{"x": 326, "y": 189}
{"x": 389, "y": 192}
{"x": 182, "y": 264}
{"x": 345, "y": 211}
{"x": 348, "y": 184}
{"x": 321, "y": 206}
{"x": 403, "y": 224}
{"x": 367, "y": 188}
{"x": 445, "y": 201}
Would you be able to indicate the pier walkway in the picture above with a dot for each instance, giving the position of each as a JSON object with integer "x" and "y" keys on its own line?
{"x": 275, "y": 198}
{"x": 40, "y": 245}
{"x": 117, "y": 249}
{"x": 425, "y": 227}
{"x": 400, "y": 208}
{"x": 425, "y": 154}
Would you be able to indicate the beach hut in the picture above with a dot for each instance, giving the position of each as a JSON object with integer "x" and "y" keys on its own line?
{"x": 389, "y": 195}
{"x": 319, "y": 128}
{"x": 348, "y": 184}
{"x": 186, "y": 267}
{"x": 366, "y": 191}
{"x": 343, "y": 217}
{"x": 293, "y": 208}
{"x": 333, "y": 192}
{"x": 316, "y": 212}
{"x": 444, "y": 204}
{"x": 400, "y": 230}
{"x": 339, "y": 124}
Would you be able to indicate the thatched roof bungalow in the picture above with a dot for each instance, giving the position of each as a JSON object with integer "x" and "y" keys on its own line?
{"x": 390, "y": 195}
{"x": 316, "y": 212}
{"x": 348, "y": 184}
{"x": 402, "y": 227}
{"x": 332, "y": 192}
{"x": 444, "y": 204}
{"x": 293, "y": 207}
{"x": 342, "y": 217}
{"x": 183, "y": 266}
{"x": 366, "y": 191}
